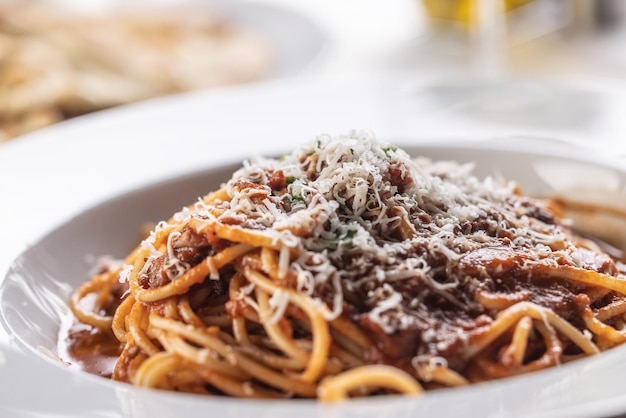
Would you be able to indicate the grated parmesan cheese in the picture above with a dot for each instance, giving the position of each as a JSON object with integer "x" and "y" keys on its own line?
{"x": 360, "y": 220}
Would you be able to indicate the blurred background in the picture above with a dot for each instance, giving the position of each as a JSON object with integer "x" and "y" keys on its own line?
{"x": 64, "y": 58}
{"x": 479, "y": 37}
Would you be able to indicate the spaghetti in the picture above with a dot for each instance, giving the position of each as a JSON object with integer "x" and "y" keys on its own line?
{"x": 347, "y": 268}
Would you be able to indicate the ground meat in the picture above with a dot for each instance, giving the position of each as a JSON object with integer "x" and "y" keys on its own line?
{"x": 190, "y": 248}
{"x": 277, "y": 181}
{"x": 155, "y": 275}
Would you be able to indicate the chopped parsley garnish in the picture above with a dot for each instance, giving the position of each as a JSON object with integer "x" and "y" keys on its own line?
{"x": 388, "y": 150}
{"x": 342, "y": 239}
{"x": 299, "y": 198}
{"x": 291, "y": 199}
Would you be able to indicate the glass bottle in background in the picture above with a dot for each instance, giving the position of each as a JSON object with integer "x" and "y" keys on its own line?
{"x": 486, "y": 30}
{"x": 492, "y": 86}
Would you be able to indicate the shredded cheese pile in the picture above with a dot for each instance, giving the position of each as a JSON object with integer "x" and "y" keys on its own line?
{"x": 362, "y": 224}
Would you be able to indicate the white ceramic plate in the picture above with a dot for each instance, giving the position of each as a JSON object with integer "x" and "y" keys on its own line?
{"x": 33, "y": 303}
{"x": 81, "y": 188}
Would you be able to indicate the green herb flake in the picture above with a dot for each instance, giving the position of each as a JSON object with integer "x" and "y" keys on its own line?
{"x": 299, "y": 198}
{"x": 388, "y": 150}
{"x": 344, "y": 239}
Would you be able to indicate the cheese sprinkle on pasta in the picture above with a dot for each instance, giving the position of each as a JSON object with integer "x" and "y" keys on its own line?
{"x": 347, "y": 261}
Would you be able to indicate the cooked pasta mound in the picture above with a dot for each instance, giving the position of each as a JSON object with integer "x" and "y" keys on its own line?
{"x": 348, "y": 268}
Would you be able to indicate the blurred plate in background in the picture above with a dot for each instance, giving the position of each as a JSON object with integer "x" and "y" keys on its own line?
{"x": 64, "y": 59}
